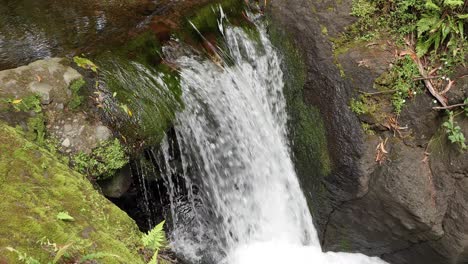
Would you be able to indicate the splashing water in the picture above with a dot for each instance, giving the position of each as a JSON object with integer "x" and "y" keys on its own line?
{"x": 245, "y": 203}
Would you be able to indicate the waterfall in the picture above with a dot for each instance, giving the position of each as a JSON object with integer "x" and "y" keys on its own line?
{"x": 244, "y": 204}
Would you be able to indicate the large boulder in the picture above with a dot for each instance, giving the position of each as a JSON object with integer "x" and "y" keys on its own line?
{"x": 408, "y": 208}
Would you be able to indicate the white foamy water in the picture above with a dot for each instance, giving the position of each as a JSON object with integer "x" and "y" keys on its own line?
{"x": 245, "y": 204}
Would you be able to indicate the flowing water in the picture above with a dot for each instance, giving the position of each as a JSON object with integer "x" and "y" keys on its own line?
{"x": 245, "y": 204}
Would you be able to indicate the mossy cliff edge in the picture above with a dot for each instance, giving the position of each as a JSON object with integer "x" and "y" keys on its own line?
{"x": 35, "y": 188}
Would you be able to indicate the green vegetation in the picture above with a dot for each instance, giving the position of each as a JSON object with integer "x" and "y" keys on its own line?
{"x": 367, "y": 129}
{"x": 26, "y": 104}
{"x": 205, "y": 20}
{"x": 401, "y": 78}
{"x": 155, "y": 240}
{"x": 76, "y": 99}
{"x": 453, "y": 131}
{"x": 65, "y": 216}
{"x": 358, "y": 106}
{"x": 35, "y": 188}
{"x": 85, "y": 63}
{"x": 441, "y": 22}
{"x": 36, "y": 130}
{"x": 103, "y": 162}
{"x": 430, "y": 32}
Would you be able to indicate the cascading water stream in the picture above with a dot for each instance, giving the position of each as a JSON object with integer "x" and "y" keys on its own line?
{"x": 245, "y": 204}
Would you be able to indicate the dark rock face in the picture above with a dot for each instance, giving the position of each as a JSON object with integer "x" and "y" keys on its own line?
{"x": 412, "y": 207}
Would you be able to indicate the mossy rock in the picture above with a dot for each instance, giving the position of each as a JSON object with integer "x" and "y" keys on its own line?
{"x": 35, "y": 188}
{"x": 306, "y": 126}
{"x": 205, "y": 19}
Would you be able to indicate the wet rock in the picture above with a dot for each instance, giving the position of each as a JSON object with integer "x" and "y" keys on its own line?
{"x": 103, "y": 133}
{"x": 118, "y": 185}
{"x": 66, "y": 143}
{"x": 411, "y": 208}
{"x": 49, "y": 78}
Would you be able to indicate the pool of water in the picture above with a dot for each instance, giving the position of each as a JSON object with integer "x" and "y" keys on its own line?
{"x": 31, "y": 29}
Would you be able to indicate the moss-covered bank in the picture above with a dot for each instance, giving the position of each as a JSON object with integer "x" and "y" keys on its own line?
{"x": 35, "y": 188}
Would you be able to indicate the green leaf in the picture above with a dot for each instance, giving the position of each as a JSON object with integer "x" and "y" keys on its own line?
{"x": 426, "y": 23}
{"x": 453, "y": 3}
{"x": 463, "y": 16}
{"x": 431, "y": 6}
{"x": 460, "y": 28}
{"x": 61, "y": 252}
{"x": 445, "y": 32}
{"x": 422, "y": 47}
{"x": 155, "y": 239}
{"x": 436, "y": 40}
{"x": 64, "y": 216}
{"x": 85, "y": 63}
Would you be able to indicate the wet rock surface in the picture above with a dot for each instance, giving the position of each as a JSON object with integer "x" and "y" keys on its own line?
{"x": 410, "y": 208}
{"x": 50, "y": 79}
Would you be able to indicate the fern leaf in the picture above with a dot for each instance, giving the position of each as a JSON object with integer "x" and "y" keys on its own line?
{"x": 154, "y": 259}
{"x": 155, "y": 239}
{"x": 445, "y": 31}
{"x": 61, "y": 252}
{"x": 425, "y": 24}
{"x": 431, "y": 6}
{"x": 453, "y": 3}
{"x": 422, "y": 47}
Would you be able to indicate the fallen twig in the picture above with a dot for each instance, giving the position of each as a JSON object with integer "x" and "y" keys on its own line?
{"x": 447, "y": 88}
{"x": 426, "y": 78}
{"x": 449, "y": 106}
{"x": 381, "y": 151}
{"x": 427, "y": 82}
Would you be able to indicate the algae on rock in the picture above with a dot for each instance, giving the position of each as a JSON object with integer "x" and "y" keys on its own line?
{"x": 35, "y": 187}
{"x": 306, "y": 127}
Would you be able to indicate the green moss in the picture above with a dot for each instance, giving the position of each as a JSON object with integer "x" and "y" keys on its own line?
{"x": 144, "y": 48}
{"x": 35, "y": 187}
{"x": 367, "y": 129}
{"x": 36, "y": 129}
{"x": 103, "y": 162}
{"x": 146, "y": 98}
{"x": 75, "y": 88}
{"x": 29, "y": 103}
{"x": 400, "y": 80}
{"x": 205, "y": 19}
{"x": 307, "y": 130}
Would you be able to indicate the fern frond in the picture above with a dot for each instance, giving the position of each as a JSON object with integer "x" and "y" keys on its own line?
{"x": 426, "y": 23}
{"x": 155, "y": 239}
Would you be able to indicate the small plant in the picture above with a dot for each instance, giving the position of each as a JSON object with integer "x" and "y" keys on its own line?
{"x": 76, "y": 99}
{"x": 441, "y": 21}
{"x": 358, "y": 107}
{"x": 454, "y": 133}
{"x": 155, "y": 240}
{"x": 404, "y": 86}
{"x": 367, "y": 129}
{"x": 26, "y": 104}
{"x": 104, "y": 160}
{"x": 23, "y": 257}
